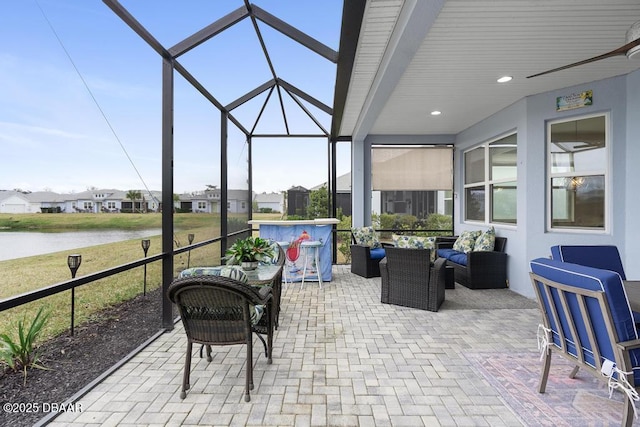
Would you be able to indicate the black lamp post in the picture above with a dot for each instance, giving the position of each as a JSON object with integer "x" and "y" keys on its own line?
{"x": 145, "y": 247}
{"x": 190, "y": 237}
{"x": 73, "y": 261}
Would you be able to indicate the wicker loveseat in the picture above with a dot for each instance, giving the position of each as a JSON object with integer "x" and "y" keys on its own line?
{"x": 477, "y": 269}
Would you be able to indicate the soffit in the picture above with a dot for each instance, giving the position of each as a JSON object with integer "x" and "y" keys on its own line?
{"x": 468, "y": 46}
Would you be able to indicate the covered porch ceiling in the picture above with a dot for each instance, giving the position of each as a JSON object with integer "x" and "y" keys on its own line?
{"x": 414, "y": 57}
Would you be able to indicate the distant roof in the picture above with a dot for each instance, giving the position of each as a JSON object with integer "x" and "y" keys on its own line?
{"x": 45, "y": 196}
{"x": 268, "y": 198}
{"x": 5, "y": 194}
{"x": 343, "y": 184}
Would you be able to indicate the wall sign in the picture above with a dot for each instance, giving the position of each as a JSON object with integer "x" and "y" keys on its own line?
{"x": 575, "y": 100}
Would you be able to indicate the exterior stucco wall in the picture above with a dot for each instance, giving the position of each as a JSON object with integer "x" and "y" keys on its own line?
{"x": 530, "y": 238}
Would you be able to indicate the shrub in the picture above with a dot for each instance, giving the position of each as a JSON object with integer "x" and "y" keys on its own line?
{"x": 439, "y": 222}
{"x": 344, "y": 238}
{"x": 22, "y": 355}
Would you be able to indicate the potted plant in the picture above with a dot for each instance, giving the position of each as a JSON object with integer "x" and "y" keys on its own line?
{"x": 248, "y": 252}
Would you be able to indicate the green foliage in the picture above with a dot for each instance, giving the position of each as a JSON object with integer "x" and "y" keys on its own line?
{"x": 439, "y": 222}
{"x": 344, "y": 237}
{"x": 318, "y": 203}
{"x": 21, "y": 354}
{"x": 249, "y": 249}
{"x": 236, "y": 224}
{"x": 406, "y": 221}
{"x": 134, "y": 195}
{"x": 401, "y": 222}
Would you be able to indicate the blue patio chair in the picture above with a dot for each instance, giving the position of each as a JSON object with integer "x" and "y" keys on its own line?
{"x": 587, "y": 319}
{"x": 605, "y": 257}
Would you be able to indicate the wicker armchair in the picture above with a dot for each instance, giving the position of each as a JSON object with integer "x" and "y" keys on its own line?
{"x": 217, "y": 310}
{"x": 364, "y": 259}
{"x": 409, "y": 280}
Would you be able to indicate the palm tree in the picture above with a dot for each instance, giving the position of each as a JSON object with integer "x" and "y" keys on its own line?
{"x": 134, "y": 195}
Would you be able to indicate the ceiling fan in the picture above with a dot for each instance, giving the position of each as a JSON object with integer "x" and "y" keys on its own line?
{"x": 630, "y": 49}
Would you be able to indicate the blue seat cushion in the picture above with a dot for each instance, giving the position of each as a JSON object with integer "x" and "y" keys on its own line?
{"x": 377, "y": 253}
{"x": 458, "y": 258}
{"x": 446, "y": 253}
{"x": 584, "y": 277}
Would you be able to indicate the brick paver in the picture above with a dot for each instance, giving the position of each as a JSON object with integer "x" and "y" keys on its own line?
{"x": 340, "y": 358}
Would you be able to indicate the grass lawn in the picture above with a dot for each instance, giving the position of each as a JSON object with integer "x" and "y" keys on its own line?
{"x": 27, "y": 274}
{"x": 89, "y": 221}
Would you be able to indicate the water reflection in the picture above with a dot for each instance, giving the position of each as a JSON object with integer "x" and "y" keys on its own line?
{"x": 20, "y": 244}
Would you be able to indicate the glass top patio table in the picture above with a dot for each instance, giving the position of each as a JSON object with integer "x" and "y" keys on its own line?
{"x": 262, "y": 275}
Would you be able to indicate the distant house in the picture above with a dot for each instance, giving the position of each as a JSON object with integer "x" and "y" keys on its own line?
{"x": 272, "y": 201}
{"x": 208, "y": 201}
{"x": 94, "y": 201}
{"x": 47, "y": 202}
{"x": 111, "y": 200}
{"x": 238, "y": 201}
{"x": 184, "y": 203}
{"x": 14, "y": 202}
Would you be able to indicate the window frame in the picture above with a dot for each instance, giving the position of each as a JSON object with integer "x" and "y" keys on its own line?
{"x": 442, "y": 199}
{"x": 594, "y": 172}
{"x": 488, "y": 183}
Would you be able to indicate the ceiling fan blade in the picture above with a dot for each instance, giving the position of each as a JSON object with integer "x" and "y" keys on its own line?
{"x": 622, "y": 50}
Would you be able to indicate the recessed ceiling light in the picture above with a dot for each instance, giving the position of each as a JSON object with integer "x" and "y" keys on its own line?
{"x": 436, "y": 113}
{"x": 505, "y": 79}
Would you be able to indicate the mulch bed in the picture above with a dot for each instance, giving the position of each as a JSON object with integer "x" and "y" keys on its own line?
{"x": 73, "y": 362}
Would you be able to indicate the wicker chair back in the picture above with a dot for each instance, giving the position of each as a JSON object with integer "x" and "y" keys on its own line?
{"x": 405, "y": 275}
{"x": 216, "y": 310}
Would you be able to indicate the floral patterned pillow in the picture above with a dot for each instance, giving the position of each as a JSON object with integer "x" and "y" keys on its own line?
{"x": 415, "y": 242}
{"x": 366, "y": 236}
{"x": 230, "y": 271}
{"x": 466, "y": 241}
{"x": 486, "y": 241}
{"x": 275, "y": 249}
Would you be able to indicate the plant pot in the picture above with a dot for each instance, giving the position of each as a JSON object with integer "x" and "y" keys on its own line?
{"x": 249, "y": 265}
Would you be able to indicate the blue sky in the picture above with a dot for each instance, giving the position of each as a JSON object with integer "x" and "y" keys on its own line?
{"x": 54, "y": 136}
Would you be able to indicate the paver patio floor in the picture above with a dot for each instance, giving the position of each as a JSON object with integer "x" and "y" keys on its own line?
{"x": 340, "y": 358}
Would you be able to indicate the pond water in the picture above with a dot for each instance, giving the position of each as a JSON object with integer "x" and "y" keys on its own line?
{"x": 20, "y": 244}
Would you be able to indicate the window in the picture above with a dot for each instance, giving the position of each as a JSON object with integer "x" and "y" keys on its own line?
{"x": 202, "y": 206}
{"x": 412, "y": 186}
{"x": 111, "y": 205}
{"x": 577, "y": 170}
{"x": 490, "y": 181}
